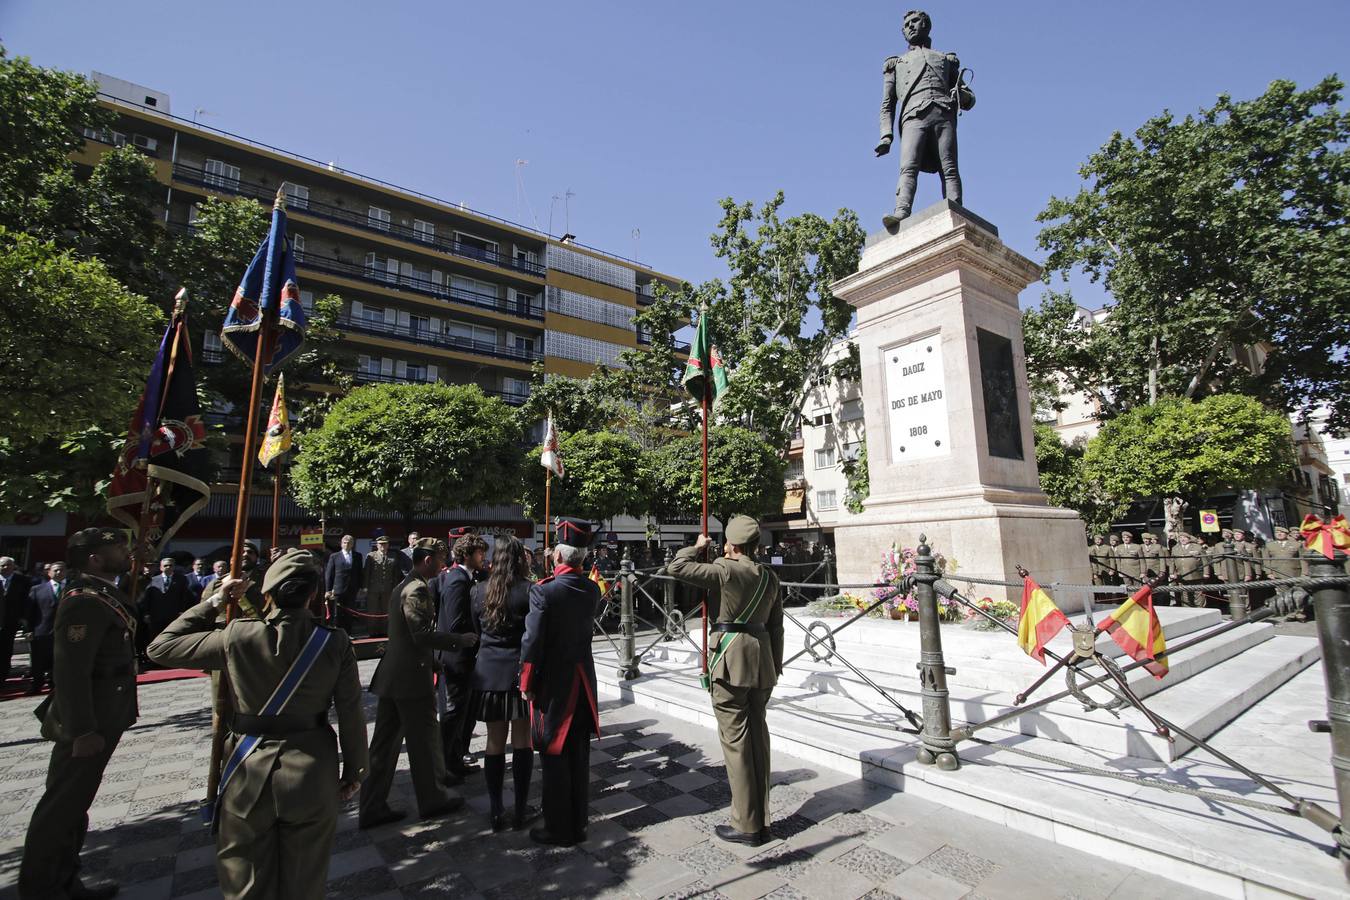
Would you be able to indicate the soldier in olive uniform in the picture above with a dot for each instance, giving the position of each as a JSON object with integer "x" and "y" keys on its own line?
{"x": 1100, "y": 556}
{"x": 1189, "y": 566}
{"x": 1249, "y": 559}
{"x": 743, "y": 669}
{"x": 278, "y": 806}
{"x": 1155, "y": 559}
{"x": 1283, "y": 558}
{"x": 382, "y": 574}
{"x": 403, "y": 682}
{"x": 1130, "y": 561}
{"x": 94, "y": 701}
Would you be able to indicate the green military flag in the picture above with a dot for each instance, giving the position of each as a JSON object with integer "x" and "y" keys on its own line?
{"x": 704, "y": 360}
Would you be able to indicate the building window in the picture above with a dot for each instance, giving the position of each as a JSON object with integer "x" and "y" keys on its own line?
{"x": 415, "y": 372}
{"x": 378, "y": 218}
{"x": 794, "y": 471}
{"x": 382, "y": 268}
{"x": 522, "y": 342}
{"x": 479, "y": 290}
{"x": 221, "y": 175}
{"x": 194, "y": 213}
{"x": 852, "y": 450}
{"x": 584, "y": 265}
{"x": 297, "y": 195}
{"x": 424, "y": 231}
{"x": 298, "y": 246}
{"x": 211, "y": 341}
{"x": 472, "y": 245}
{"x": 826, "y": 500}
{"x": 524, "y": 256}
{"x": 307, "y": 300}
{"x": 580, "y": 306}
{"x": 516, "y": 386}
{"x": 476, "y": 335}
{"x": 851, "y": 411}
{"x": 825, "y": 458}
{"x": 583, "y": 349}
{"x": 822, "y": 419}
{"x": 419, "y": 324}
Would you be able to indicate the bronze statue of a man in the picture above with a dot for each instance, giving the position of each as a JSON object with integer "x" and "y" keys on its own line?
{"x": 925, "y": 87}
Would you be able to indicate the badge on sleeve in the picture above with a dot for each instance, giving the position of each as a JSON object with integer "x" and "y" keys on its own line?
{"x": 76, "y": 633}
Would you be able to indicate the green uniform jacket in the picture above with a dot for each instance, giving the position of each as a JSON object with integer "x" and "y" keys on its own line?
{"x": 94, "y": 670}
{"x": 1129, "y": 560}
{"x": 1251, "y": 566}
{"x": 1280, "y": 559}
{"x": 1189, "y": 562}
{"x": 750, "y": 660}
{"x": 381, "y": 573}
{"x": 1101, "y": 557}
{"x": 1154, "y": 558}
{"x": 257, "y": 654}
{"x": 407, "y": 666}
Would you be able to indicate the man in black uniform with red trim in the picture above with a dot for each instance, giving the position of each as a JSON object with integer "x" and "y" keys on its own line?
{"x": 557, "y": 676}
{"x": 454, "y": 615}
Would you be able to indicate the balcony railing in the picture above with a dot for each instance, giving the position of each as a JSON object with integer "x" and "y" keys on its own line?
{"x": 213, "y": 357}
{"x": 419, "y": 285}
{"x": 354, "y": 218}
{"x": 431, "y": 338}
{"x": 364, "y": 375}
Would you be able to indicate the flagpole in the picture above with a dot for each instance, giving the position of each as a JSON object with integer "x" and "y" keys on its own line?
{"x": 548, "y": 491}
{"x": 276, "y": 500}
{"x": 707, "y": 384}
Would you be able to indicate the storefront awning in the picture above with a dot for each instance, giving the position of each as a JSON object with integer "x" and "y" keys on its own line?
{"x": 793, "y": 500}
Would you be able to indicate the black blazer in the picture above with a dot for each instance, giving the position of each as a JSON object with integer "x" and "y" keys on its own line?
{"x": 163, "y": 602}
{"x": 41, "y": 613}
{"x": 497, "y": 667}
{"x": 16, "y": 600}
{"x": 454, "y": 616}
{"x": 555, "y": 659}
{"x": 343, "y": 578}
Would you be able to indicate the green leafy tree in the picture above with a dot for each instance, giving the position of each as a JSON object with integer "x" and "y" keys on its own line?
{"x": 1222, "y": 239}
{"x": 576, "y": 404}
{"x": 745, "y": 475}
{"x": 859, "y": 483}
{"x": 1062, "y": 478}
{"x": 409, "y": 447}
{"x": 605, "y": 477}
{"x": 1179, "y": 448}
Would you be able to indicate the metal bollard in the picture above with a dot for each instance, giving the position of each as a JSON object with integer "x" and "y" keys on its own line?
{"x": 628, "y": 663}
{"x": 668, "y": 596}
{"x": 827, "y": 555}
{"x": 936, "y": 737}
{"x": 1331, "y": 605}
{"x": 1237, "y": 597}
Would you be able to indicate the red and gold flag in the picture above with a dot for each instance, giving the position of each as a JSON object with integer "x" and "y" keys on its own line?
{"x": 1041, "y": 620}
{"x": 1135, "y": 627}
{"x": 599, "y": 580}
{"x": 1325, "y": 537}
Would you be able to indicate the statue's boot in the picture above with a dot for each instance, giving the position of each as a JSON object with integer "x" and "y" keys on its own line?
{"x": 892, "y": 222}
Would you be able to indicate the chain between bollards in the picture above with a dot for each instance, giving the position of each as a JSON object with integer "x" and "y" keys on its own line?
{"x": 628, "y": 659}
{"x": 937, "y": 746}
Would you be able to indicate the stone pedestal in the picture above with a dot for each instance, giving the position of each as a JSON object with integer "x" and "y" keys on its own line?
{"x": 947, "y": 411}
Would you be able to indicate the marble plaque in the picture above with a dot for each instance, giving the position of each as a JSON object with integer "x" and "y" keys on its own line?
{"x": 916, "y": 400}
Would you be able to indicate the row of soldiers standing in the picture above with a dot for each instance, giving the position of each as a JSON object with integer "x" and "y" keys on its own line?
{"x": 1125, "y": 562}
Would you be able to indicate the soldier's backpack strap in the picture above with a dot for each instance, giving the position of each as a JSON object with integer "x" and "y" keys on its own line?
{"x": 285, "y": 690}
{"x": 743, "y": 618}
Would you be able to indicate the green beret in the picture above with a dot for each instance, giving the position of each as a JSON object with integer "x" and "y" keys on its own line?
{"x": 84, "y": 542}
{"x": 1281, "y": 530}
{"x": 294, "y": 562}
{"x": 435, "y": 545}
{"x": 743, "y": 531}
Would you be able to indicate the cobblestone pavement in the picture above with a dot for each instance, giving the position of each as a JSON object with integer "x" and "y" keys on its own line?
{"x": 658, "y": 788}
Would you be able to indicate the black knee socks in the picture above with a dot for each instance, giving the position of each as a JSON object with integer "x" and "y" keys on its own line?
{"x": 522, "y": 767}
{"x": 494, "y": 771}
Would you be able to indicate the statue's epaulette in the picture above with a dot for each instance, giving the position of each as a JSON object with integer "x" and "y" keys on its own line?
{"x": 890, "y": 64}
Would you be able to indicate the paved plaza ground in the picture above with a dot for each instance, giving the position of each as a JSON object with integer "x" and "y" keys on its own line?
{"x": 658, "y": 789}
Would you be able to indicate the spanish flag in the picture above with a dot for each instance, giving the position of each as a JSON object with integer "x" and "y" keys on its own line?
{"x": 1135, "y": 627}
{"x": 1325, "y": 537}
{"x": 599, "y": 580}
{"x": 1041, "y": 620}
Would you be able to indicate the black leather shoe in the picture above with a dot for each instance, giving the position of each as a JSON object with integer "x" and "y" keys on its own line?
{"x": 468, "y": 766}
{"x": 445, "y": 809}
{"x": 733, "y": 836}
{"x": 544, "y": 836}
{"x": 99, "y": 890}
{"x": 500, "y": 822}
{"x": 382, "y": 818}
{"x": 519, "y": 821}
{"x": 452, "y": 779}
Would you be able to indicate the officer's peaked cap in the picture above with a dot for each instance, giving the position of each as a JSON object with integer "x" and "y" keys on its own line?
{"x": 574, "y": 532}
{"x": 291, "y": 564}
{"x": 743, "y": 531}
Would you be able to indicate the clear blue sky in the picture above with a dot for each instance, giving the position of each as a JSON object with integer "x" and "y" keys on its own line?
{"x": 651, "y": 112}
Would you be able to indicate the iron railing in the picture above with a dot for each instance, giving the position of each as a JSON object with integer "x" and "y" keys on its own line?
{"x": 444, "y": 340}
{"x": 514, "y": 398}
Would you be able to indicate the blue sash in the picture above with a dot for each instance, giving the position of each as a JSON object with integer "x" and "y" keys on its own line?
{"x": 295, "y": 676}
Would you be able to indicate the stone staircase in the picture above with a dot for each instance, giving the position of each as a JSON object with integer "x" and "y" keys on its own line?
{"x": 1024, "y": 773}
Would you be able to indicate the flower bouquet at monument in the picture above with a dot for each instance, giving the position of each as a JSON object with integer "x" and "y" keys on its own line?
{"x": 1004, "y": 610}
{"x": 896, "y": 563}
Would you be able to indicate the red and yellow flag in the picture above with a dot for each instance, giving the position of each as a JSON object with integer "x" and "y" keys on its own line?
{"x": 277, "y": 440}
{"x": 1041, "y": 620}
{"x": 599, "y": 580}
{"x": 1325, "y": 537}
{"x": 1135, "y": 627}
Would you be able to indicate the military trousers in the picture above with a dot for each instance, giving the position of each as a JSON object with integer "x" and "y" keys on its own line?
{"x": 281, "y": 849}
{"x": 933, "y": 130}
{"x": 743, "y": 729}
{"x": 396, "y": 717}
{"x": 378, "y": 605}
{"x": 566, "y": 781}
{"x": 42, "y": 650}
{"x": 1189, "y": 598}
{"x": 51, "y": 849}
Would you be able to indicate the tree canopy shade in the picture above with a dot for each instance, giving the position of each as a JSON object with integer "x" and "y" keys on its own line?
{"x": 408, "y": 447}
{"x": 1186, "y": 449}
{"x": 745, "y": 475}
{"x": 1060, "y": 466}
{"x": 1222, "y": 239}
{"x": 605, "y": 477}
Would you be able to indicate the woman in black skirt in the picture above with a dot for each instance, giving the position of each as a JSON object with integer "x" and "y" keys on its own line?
{"x": 500, "y": 605}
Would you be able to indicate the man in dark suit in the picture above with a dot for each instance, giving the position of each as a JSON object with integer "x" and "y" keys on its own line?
{"x": 14, "y": 588}
{"x": 342, "y": 579}
{"x": 42, "y": 600}
{"x": 921, "y": 94}
{"x": 557, "y": 676}
{"x": 165, "y": 598}
{"x": 455, "y": 616}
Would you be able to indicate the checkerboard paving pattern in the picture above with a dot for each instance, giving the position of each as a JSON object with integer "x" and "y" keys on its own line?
{"x": 658, "y": 788}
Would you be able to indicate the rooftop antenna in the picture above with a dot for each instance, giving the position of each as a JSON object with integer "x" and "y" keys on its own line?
{"x": 551, "y": 205}
{"x": 567, "y": 209}
{"x": 200, "y": 111}
{"x": 521, "y": 195}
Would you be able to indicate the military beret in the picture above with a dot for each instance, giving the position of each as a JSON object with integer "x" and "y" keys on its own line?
{"x": 1130, "y": 533}
{"x": 291, "y": 564}
{"x": 743, "y": 531}
{"x": 574, "y": 532}
{"x": 435, "y": 545}
{"x": 87, "y": 540}
{"x": 1281, "y": 530}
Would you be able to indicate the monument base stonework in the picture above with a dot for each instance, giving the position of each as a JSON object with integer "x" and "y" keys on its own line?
{"x": 946, "y": 407}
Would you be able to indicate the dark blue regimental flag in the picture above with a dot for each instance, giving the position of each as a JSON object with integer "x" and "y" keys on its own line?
{"x": 268, "y": 284}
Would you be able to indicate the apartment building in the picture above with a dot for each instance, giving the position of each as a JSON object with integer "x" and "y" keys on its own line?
{"x": 431, "y": 290}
